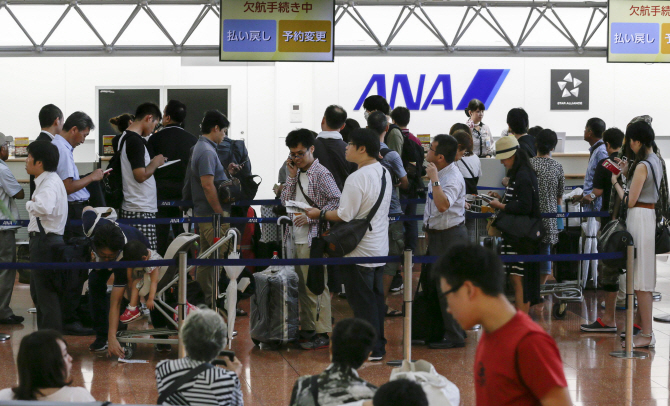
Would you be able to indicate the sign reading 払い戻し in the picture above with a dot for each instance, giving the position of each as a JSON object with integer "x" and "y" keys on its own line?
{"x": 299, "y": 30}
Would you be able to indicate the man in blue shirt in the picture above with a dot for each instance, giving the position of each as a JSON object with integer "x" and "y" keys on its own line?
{"x": 593, "y": 134}
{"x": 75, "y": 129}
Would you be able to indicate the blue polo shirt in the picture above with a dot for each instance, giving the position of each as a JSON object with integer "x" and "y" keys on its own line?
{"x": 68, "y": 169}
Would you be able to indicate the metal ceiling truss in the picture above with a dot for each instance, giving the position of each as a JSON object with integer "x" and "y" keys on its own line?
{"x": 420, "y": 10}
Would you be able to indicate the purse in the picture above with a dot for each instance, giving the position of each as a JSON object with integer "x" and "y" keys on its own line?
{"x": 662, "y": 236}
{"x": 342, "y": 238}
{"x": 520, "y": 226}
{"x": 615, "y": 238}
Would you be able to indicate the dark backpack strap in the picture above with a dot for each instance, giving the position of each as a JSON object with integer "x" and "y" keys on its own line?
{"x": 314, "y": 388}
{"x": 372, "y": 213}
{"x": 187, "y": 377}
{"x": 468, "y": 168}
{"x": 384, "y": 151}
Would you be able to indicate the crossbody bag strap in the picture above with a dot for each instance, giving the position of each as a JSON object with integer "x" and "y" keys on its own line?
{"x": 372, "y": 213}
{"x": 653, "y": 173}
{"x": 187, "y": 377}
{"x": 314, "y": 388}
{"x": 468, "y": 168}
{"x": 310, "y": 201}
{"x": 41, "y": 227}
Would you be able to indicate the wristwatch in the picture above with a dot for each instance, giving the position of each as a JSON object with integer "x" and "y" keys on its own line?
{"x": 592, "y": 196}
{"x": 436, "y": 183}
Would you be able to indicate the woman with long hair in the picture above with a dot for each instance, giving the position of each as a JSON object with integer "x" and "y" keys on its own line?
{"x": 640, "y": 193}
{"x": 521, "y": 198}
{"x": 120, "y": 124}
{"x": 44, "y": 367}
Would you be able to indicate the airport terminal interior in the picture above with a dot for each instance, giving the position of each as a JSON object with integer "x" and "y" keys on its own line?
{"x": 274, "y": 67}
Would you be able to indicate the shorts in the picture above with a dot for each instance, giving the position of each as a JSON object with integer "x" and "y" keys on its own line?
{"x": 396, "y": 246}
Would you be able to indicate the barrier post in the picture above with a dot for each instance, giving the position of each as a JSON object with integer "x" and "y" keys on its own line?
{"x": 407, "y": 310}
{"x": 630, "y": 306}
{"x": 216, "y": 223}
{"x": 181, "y": 302}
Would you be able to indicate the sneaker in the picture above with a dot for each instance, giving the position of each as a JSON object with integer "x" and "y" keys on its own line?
{"x": 163, "y": 347}
{"x": 375, "y": 358}
{"x": 131, "y": 313}
{"x": 99, "y": 345}
{"x": 597, "y": 327}
{"x": 396, "y": 285}
{"x": 636, "y": 330}
{"x": 317, "y": 342}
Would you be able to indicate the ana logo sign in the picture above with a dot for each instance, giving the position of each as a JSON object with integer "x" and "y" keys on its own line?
{"x": 484, "y": 86}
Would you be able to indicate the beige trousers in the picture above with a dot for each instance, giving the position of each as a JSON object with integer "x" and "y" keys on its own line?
{"x": 312, "y": 305}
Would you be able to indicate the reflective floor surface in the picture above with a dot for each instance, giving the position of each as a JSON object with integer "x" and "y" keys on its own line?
{"x": 594, "y": 377}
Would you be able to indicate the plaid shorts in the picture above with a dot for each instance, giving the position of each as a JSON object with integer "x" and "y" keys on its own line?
{"x": 149, "y": 230}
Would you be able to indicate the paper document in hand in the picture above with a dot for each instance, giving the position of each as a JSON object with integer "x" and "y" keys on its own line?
{"x": 168, "y": 163}
{"x": 293, "y": 206}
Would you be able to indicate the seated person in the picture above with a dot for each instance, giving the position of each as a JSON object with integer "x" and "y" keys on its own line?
{"x": 350, "y": 345}
{"x": 401, "y": 392}
{"x": 144, "y": 281}
{"x": 517, "y": 362}
{"x": 44, "y": 367}
{"x": 205, "y": 335}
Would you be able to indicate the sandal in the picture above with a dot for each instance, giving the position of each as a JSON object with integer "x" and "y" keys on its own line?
{"x": 393, "y": 312}
{"x": 651, "y": 344}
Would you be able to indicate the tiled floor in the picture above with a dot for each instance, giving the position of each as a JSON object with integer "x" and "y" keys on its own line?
{"x": 594, "y": 377}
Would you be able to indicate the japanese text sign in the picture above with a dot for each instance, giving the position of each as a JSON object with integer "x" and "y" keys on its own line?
{"x": 639, "y": 31}
{"x": 295, "y": 31}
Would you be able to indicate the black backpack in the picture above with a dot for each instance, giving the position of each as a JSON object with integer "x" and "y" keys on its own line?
{"x": 412, "y": 157}
{"x": 113, "y": 183}
{"x": 394, "y": 177}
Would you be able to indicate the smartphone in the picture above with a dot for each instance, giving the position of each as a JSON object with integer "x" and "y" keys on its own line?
{"x": 291, "y": 163}
{"x": 229, "y": 354}
{"x": 242, "y": 164}
{"x": 612, "y": 166}
{"x": 486, "y": 198}
{"x": 108, "y": 171}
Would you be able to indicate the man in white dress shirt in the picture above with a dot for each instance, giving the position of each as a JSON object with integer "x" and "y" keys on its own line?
{"x": 51, "y": 123}
{"x": 48, "y": 216}
{"x": 444, "y": 223}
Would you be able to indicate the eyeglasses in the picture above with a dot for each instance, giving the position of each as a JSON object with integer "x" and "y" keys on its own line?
{"x": 452, "y": 290}
{"x": 431, "y": 148}
{"x": 298, "y": 154}
{"x": 106, "y": 258}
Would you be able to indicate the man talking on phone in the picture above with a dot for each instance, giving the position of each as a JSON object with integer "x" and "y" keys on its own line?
{"x": 309, "y": 182}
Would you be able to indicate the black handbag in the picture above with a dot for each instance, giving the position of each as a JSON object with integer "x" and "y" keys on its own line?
{"x": 616, "y": 238}
{"x": 519, "y": 226}
{"x": 662, "y": 232}
{"x": 316, "y": 274}
{"x": 342, "y": 238}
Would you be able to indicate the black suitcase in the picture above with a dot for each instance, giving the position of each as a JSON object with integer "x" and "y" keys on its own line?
{"x": 568, "y": 243}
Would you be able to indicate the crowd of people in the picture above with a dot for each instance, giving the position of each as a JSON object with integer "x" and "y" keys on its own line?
{"x": 345, "y": 172}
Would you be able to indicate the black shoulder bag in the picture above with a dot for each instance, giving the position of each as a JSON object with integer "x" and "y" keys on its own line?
{"x": 187, "y": 377}
{"x": 471, "y": 182}
{"x": 342, "y": 238}
{"x": 662, "y": 231}
{"x": 614, "y": 237}
{"x": 316, "y": 278}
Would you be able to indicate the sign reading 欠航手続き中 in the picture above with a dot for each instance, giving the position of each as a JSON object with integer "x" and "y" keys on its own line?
{"x": 277, "y": 30}
{"x": 639, "y": 31}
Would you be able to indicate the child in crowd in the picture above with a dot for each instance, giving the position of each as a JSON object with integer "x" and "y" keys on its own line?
{"x": 144, "y": 281}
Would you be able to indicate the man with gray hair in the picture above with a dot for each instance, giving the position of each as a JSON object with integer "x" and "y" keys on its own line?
{"x": 204, "y": 334}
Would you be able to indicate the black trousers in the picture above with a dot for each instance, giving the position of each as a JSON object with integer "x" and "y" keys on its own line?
{"x": 99, "y": 304}
{"x": 163, "y": 230}
{"x": 365, "y": 293}
{"x": 46, "y": 285}
{"x": 439, "y": 242}
{"x": 74, "y": 279}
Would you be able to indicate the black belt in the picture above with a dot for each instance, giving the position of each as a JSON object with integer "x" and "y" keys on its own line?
{"x": 432, "y": 230}
{"x": 37, "y": 234}
{"x": 82, "y": 202}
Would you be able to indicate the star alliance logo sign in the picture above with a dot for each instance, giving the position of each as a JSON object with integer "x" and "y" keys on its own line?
{"x": 569, "y": 89}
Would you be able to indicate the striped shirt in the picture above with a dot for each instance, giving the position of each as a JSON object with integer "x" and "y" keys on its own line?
{"x": 215, "y": 386}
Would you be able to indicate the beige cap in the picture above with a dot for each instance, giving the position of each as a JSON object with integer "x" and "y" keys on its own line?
{"x": 5, "y": 139}
{"x": 506, "y": 147}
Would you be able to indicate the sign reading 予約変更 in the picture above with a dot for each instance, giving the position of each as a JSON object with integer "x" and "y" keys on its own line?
{"x": 292, "y": 31}
{"x": 639, "y": 31}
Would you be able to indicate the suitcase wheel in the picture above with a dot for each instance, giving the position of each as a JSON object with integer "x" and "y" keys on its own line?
{"x": 559, "y": 310}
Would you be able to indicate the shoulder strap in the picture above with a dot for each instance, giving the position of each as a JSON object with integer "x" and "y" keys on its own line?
{"x": 187, "y": 377}
{"x": 310, "y": 201}
{"x": 467, "y": 167}
{"x": 372, "y": 213}
{"x": 314, "y": 388}
{"x": 653, "y": 173}
{"x": 384, "y": 151}
{"x": 40, "y": 226}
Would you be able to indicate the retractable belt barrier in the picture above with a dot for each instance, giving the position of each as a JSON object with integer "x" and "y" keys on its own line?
{"x": 295, "y": 261}
{"x": 245, "y": 220}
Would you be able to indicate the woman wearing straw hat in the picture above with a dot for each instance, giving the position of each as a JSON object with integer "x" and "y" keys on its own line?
{"x": 521, "y": 198}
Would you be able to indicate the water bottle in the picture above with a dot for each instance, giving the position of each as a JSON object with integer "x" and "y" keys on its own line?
{"x": 275, "y": 255}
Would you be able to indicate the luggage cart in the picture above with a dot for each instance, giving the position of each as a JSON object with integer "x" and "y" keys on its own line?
{"x": 130, "y": 338}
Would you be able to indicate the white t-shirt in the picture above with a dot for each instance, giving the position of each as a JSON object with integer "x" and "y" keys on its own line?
{"x": 474, "y": 163}
{"x": 360, "y": 193}
{"x": 137, "y": 197}
{"x": 65, "y": 394}
{"x": 300, "y": 233}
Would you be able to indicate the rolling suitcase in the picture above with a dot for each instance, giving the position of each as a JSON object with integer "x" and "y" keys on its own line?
{"x": 274, "y": 306}
{"x": 568, "y": 243}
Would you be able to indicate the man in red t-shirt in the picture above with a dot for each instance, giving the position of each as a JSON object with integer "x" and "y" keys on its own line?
{"x": 517, "y": 362}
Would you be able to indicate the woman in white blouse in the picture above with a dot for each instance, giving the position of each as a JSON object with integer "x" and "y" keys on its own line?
{"x": 44, "y": 367}
{"x": 482, "y": 138}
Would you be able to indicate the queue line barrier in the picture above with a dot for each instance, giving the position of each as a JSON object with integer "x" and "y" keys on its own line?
{"x": 246, "y": 220}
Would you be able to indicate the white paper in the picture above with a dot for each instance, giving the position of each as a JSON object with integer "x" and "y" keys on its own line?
{"x": 293, "y": 206}
{"x": 168, "y": 163}
{"x": 133, "y": 361}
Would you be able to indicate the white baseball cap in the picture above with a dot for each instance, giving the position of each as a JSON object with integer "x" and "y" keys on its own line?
{"x": 5, "y": 139}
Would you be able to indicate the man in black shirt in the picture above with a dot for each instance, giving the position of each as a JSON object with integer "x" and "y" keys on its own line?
{"x": 517, "y": 120}
{"x": 175, "y": 143}
{"x": 51, "y": 122}
{"x": 602, "y": 186}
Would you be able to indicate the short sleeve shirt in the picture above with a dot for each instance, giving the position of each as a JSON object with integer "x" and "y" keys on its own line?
{"x": 602, "y": 179}
{"x": 9, "y": 187}
{"x": 68, "y": 169}
{"x": 204, "y": 161}
{"x": 137, "y": 197}
{"x": 393, "y": 162}
{"x": 453, "y": 186}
